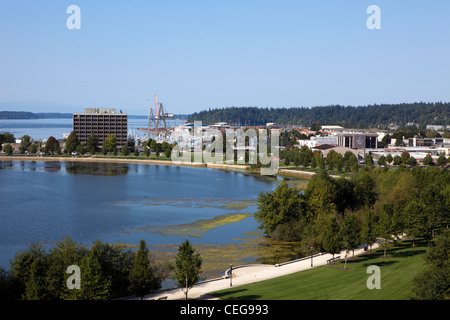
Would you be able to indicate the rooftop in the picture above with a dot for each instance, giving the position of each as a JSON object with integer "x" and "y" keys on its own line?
{"x": 100, "y": 111}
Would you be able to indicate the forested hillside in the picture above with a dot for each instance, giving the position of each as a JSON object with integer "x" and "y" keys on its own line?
{"x": 31, "y": 115}
{"x": 372, "y": 116}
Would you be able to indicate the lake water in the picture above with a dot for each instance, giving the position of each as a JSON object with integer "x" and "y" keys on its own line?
{"x": 40, "y": 129}
{"x": 42, "y": 201}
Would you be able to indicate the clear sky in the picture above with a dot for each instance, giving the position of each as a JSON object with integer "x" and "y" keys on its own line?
{"x": 200, "y": 54}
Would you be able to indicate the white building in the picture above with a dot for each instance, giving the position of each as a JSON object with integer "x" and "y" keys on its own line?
{"x": 315, "y": 141}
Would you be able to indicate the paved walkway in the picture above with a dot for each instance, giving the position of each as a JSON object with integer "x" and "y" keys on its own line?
{"x": 249, "y": 274}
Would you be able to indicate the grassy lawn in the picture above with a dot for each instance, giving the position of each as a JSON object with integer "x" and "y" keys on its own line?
{"x": 332, "y": 282}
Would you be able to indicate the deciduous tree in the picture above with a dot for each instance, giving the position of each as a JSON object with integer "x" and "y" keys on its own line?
{"x": 110, "y": 143}
{"x": 72, "y": 142}
{"x": 332, "y": 242}
{"x": 282, "y": 205}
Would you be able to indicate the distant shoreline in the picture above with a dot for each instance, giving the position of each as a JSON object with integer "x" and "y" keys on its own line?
{"x": 27, "y": 115}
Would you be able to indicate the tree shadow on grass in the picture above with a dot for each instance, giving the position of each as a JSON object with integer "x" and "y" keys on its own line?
{"x": 249, "y": 297}
{"x": 381, "y": 263}
{"x": 409, "y": 253}
{"x": 364, "y": 257}
{"x": 229, "y": 295}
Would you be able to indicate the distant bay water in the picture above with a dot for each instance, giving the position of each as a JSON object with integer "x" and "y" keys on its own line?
{"x": 40, "y": 129}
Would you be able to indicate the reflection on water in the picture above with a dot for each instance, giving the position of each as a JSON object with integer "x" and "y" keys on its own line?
{"x": 52, "y": 166}
{"x": 119, "y": 202}
{"x": 102, "y": 169}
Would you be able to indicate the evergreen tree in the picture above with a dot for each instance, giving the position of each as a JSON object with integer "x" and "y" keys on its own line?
{"x": 21, "y": 265}
{"x": 153, "y": 145}
{"x": 116, "y": 264}
{"x": 35, "y": 287}
{"x": 168, "y": 152}
{"x": 142, "y": 280}
{"x": 8, "y": 286}
{"x": 94, "y": 286}
{"x": 146, "y": 151}
{"x": 187, "y": 266}
{"x": 64, "y": 254}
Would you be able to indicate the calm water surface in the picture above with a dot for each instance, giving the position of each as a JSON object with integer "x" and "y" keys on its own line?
{"x": 40, "y": 129}
{"x": 45, "y": 201}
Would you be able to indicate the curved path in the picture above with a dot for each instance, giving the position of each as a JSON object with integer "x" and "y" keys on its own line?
{"x": 249, "y": 274}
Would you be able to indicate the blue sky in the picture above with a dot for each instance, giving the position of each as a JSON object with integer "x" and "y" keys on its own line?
{"x": 198, "y": 54}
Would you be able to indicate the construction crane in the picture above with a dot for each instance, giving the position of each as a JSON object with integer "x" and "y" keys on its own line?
{"x": 157, "y": 119}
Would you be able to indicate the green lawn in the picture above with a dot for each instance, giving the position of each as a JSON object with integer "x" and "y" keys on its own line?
{"x": 334, "y": 283}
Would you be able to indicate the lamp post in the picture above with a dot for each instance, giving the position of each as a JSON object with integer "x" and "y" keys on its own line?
{"x": 231, "y": 275}
{"x": 312, "y": 256}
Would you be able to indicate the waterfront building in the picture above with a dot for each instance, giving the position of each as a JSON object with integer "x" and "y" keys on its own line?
{"x": 101, "y": 122}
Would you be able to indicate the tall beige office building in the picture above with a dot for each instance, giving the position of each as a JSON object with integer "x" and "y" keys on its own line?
{"x": 101, "y": 122}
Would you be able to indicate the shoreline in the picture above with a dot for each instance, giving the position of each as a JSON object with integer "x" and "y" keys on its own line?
{"x": 122, "y": 160}
{"x": 304, "y": 175}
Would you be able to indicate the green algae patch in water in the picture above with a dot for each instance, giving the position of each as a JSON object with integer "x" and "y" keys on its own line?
{"x": 197, "y": 228}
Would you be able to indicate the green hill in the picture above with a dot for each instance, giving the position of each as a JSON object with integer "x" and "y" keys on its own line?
{"x": 332, "y": 282}
{"x": 372, "y": 116}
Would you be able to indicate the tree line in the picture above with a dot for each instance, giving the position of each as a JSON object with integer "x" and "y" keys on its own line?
{"x": 305, "y": 157}
{"x": 107, "y": 271}
{"x": 32, "y": 115}
{"x": 371, "y": 116}
{"x": 377, "y": 203}
{"x": 371, "y": 205}
{"x": 72, "y": 144}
